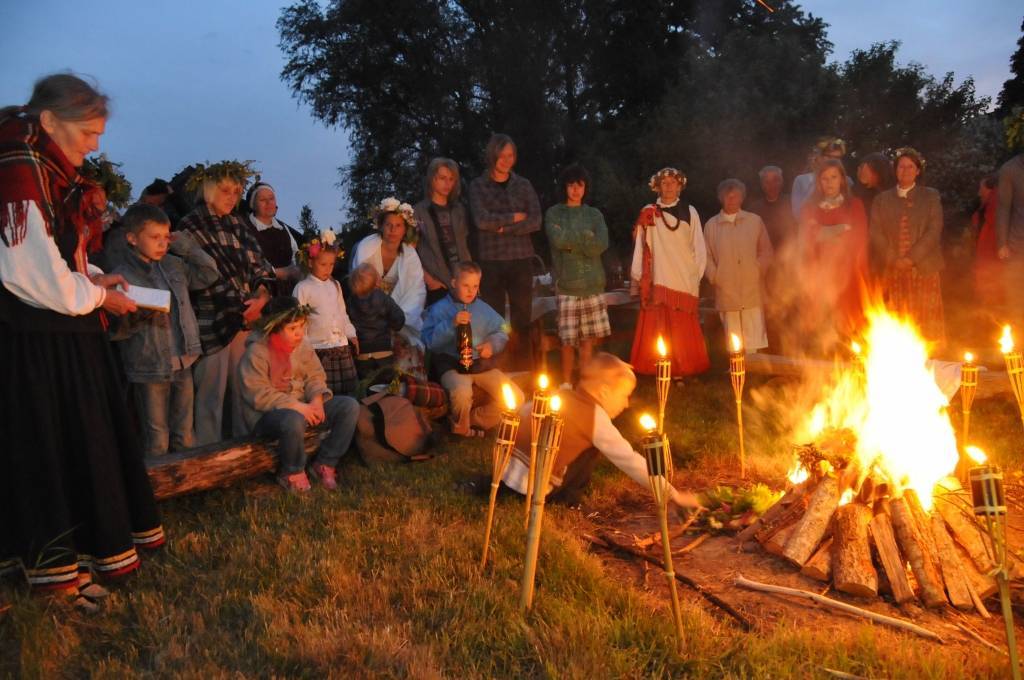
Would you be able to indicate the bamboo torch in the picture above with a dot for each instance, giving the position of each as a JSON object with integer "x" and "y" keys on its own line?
{"x": 541, "y": 406}
{"x": 990, "y": 505}
{"x": 1014, "y": 367}
{"x": 968, "y": 388}
{"x": 738, "y": 375}
{"x": 502, "y": 452}
{"x": 662, "y": 380}
{"x": 655, "y": 449}
{"x": 548, "y": 443}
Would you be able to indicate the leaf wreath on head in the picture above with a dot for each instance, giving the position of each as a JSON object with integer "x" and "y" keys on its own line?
{"x": 239, "y": 171}
{"x": 106, "y": 174}
{"x": 270, "y": 323}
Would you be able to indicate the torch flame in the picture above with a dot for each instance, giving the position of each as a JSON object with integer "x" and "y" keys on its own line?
{"x": 556, "y": 404}
{"x": 976, "y": 454}
{"x": 968, "y": 358}
{"x": 797, "y": 474}
{"x": 648, "y": 423}
{"x": 662, "y": 349}
{"x": 509, "y": 396}
{"x": 1006, "y": 340}
{"x": 543, "y": 382}
{"x": 846, "y": 497}
{"x": 737, "y": 344}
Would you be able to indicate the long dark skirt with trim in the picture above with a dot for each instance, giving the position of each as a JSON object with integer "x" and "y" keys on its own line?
{"x": 74, "y": 493}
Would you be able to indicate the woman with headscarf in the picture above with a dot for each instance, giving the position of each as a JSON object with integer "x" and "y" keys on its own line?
{"x": 277, "y": 239}
{"x": 74, "y": 494}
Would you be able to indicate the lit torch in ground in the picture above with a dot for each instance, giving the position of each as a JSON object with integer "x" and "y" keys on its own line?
{"x": 738, "y": 374}
{"x": 990, "y": 506}
{"x": 968, "y": 388}
{"x": 662, "y": 380}
{"x": 655, "y": 449}
{"x": 1014, "y": 367}
{"x": 502, "y": 452}
{"x": 540, "y": 410}
{"x": 548, "y": 442}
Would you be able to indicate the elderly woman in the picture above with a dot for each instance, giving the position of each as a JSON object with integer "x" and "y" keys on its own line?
{"x": 669, "y": 256}
{"x": 390, "y": 251}
{"x": 276, "y": 239}
{"x": 506, "y": 211}
{"x": 906, "y": 237}
{"x": 834, "y": 250}
{"x": 443, "y": 226}
{"x": 74, "y": 494}
{"x": 739, "y": 252}
{"x": 228, "y": 308}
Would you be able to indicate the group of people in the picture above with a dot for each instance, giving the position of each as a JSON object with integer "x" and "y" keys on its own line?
{"x": 260, "y": 338}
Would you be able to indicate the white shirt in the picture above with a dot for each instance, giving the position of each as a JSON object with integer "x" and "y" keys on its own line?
{"x": 330, "y": 326}
{"x": 679, "y": 255}
{"x": 408, "y": 290}
{"x": 36, "y": 274}
{"x": 902, "y": 193}
{"x": 274, "y": 224}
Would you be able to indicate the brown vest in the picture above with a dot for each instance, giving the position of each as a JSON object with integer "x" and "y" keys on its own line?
{"x": 577, "y": 434}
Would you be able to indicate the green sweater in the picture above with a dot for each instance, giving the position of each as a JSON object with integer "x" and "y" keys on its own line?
{"x": 577, "y": 236}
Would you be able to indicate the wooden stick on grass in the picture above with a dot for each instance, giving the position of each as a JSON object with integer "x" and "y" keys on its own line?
{"x": 841, "y": 606}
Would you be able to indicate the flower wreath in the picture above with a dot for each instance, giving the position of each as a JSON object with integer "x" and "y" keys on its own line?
{"x": 106, "y": 174}
{"x": 393, "y": 205}
{"x": 239, "y": 171}
{"x": 911, "y": 153}
{"x": 656, "y": 178}
{"x": 826, "y": 144}
{"x": 269, "y": 323}
{"x": 315, "y": 242}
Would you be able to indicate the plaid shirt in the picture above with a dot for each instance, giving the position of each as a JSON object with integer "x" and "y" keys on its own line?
{"x": 241, "y": 265}
{"x": 492, "y": 205}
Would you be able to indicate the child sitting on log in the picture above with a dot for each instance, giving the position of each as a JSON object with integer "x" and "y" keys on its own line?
{"x": 459, "y": 369}
{"x": 600, "y": 396}
{"x": 284, "y": 391}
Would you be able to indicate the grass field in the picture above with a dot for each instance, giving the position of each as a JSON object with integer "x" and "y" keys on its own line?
{"x": 382, "y": 580}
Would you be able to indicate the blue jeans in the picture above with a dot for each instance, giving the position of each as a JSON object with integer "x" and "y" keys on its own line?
{"x": 289, "y": 428}
{"x": 166, "y": 413}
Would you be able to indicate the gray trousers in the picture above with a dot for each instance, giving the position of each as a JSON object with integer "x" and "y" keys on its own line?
{"x": 216, "y": 375}
{"x": 166, "y": 413}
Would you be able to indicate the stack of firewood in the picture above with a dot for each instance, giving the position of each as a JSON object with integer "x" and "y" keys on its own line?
{"x": 878, "y": 540}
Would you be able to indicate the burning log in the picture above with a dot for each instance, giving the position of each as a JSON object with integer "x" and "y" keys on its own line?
{"x": 952, "y": 573}
{"x": 955, "y": 506}
{"x": 772, "y": 514}
{"x": 777, "y": 543}
{"x": 852, "y": 569}
{"x": 913, "y": 546}
{"x": 889, "y": 554}
{"x": 819, "y": 567}
{"x": 924, "y": 524}
{"x": 810, "y": 529}
{"x": 781, "y": 521}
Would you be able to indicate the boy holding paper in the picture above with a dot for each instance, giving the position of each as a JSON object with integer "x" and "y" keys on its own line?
{"x": 159, "y": 343}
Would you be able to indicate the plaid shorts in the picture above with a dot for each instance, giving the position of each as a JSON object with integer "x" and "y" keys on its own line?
{"x": 340, "y": 369}
{"x": 582, "y": 318}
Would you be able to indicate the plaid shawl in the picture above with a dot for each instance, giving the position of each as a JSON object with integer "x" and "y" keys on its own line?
{"x": 242, "y": 267}
{"x": 34, "y": 169}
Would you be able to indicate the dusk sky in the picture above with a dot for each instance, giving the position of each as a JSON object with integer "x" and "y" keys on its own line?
{"x": 195, "y": 81}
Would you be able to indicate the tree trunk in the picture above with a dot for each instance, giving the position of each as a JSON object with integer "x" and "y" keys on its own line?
{"x": 913, "y": 546}
{"x": 819, "y": 567}
{"x": 956, "y": 507}
{"x": 889, "y": 555}
{"x": 216, "y": 465}
{"x": 852, "y": 570}
{"x": 952, "y": 573}
{"x": 812, "y": 526}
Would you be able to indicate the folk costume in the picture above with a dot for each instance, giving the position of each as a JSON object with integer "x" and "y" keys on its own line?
{"x": 834, "y": 258}
{"x": 669, "y": 257}
{"x": 74, "y": 494}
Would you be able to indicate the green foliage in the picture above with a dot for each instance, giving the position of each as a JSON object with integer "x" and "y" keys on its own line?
{"x": 1012, "y": 94}
{"x": 308, "y": 223}
{"x": 108, "y": 175}
{"x": 1014, "y": 129}
{"x": 239, "y": 171}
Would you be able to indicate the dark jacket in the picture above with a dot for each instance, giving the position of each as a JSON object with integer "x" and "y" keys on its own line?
{"x": 924, "y": 219}
{"x": 375, "y": 316}
{"x": 145, "y": 337}
{"x": 429, "y": 248}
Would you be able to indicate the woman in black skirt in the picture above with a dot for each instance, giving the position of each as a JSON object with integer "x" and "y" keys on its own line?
{"x": 74, "y": 494}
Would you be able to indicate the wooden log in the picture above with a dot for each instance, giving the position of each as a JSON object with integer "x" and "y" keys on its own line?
{"x": 889, "y": 554}
{"x": 924, "y": 523}
{"x": 953, "y": 575}
{"x": 955, "y": 505}
{"x": 819, "y": 567}
{"x": 772, "y": 513}
{"x": 985, "y": 586}
{"x": 912, "y": 545}
{"x": 852, "y": 569}
{"x": 777, "y": 542}
{"x": 217, "y": 465}
{"x": 811, "y": 527}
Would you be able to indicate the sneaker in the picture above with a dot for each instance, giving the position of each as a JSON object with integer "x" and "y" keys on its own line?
{"x": 325, "y": 474}
{"x": 297, "y": 482}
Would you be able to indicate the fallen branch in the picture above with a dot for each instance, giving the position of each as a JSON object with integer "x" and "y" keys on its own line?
{"x": 691, "y": 545}
{"x": 604, "y": 540}
{"x": 843, "y": 675}
{"x": 980, "y": 639}
{"x": 841, "y": 606}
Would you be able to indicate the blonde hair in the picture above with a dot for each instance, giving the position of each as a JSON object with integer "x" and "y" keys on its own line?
{"x": 605, "y": 369}
{"x": 210, "y": 185}
{"x": 363, "y": 279}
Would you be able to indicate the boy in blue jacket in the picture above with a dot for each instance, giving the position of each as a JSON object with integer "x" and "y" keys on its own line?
{"x": 462, "y": 306}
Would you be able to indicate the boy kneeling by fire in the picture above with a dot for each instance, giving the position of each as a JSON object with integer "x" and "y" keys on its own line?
{"x": 603, "y": 391}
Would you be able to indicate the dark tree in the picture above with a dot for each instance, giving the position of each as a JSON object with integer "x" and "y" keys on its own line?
{"x": 1012, "y": 94}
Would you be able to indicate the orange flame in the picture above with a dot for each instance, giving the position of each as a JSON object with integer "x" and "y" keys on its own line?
{"x": 543, "y": 382}
{"x": 648, "y": 423}
{"x": 1006, "y": 340}
{"x": 846, "y": 497}
{"x": 737, "y": 344}
{"x": 556, "y": 404}
{"x": 976, "y": 454}
{"x": 968, "y": 358}
{"x": 509, "y": 396}
{"x": 797, "y": 474}
{"x": 662, "y": 349}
